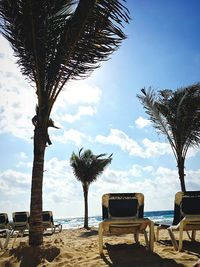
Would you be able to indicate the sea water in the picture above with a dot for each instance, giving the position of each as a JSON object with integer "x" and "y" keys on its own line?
{"x": 164, "y": 217}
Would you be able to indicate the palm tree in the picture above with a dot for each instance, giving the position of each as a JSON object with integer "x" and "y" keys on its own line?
{"x": 56, "y": 41}
{"x": 87, "y": 167}
{"x": 176, "y": 114}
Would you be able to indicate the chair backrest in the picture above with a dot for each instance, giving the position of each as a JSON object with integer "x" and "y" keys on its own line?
{"x": 122, "y": 205}
{"x": 4, "y": 220}
{"x": 21, "y": 217}
{"x": 47, "y": 217}
{"x": 186, "y": 203}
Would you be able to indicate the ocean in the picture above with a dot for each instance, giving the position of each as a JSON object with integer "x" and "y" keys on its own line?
{"x": 164, "y": 217}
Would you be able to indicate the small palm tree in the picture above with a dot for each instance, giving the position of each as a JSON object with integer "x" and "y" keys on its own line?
{"x": 87, "y": 167}
{"x": 176, "y": 114}
{"x": 57, "y": 41}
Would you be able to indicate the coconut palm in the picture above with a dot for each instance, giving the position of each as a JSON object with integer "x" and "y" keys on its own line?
{"x": 176, "y": 114}
{"x": 57, "y": 41}
{"x": 87, "y": 167}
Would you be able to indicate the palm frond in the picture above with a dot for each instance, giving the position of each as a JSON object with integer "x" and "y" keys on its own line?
{"x": 156, "y": 111}
{"x": 87, "y": 167}
{"x": 60, "y": 40}
{"x": 176, "y": 114}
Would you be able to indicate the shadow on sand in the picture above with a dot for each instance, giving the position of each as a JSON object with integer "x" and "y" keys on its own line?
{"x": 32, "y": 256}
{"x": 191, "y": 247}
{"x": 91, "y": 232}
{"x": 134, "y": 255}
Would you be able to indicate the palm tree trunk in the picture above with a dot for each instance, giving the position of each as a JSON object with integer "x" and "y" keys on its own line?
{"x": 181, "y": 163}
{"x": 36, "y": 229}
{"x": 85, "y": 192}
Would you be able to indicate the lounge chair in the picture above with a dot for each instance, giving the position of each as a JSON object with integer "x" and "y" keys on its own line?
{"x": 4, "y": 233}
{"x": 20, "y": 221}
{"x": 48, "y": 223}
{"x": 186, "y": 217}
{"x": 4, "y": 222}
{"x": 123, "y": 214}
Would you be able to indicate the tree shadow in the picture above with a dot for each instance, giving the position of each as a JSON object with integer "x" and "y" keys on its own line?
{"x": 128, "y": 255}
{"x": 89, "y": 233}
{"x": 32, "y": 256}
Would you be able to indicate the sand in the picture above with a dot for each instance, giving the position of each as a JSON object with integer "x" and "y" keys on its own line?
{"x": 80, "y": 248}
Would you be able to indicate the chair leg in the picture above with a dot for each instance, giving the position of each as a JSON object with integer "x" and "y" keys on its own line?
{"x": 146, "y": 239}
{"x": 180, "y": 237}
{"x": 136, "y": 237}
{"x": 8, "y": 232}
{"x": 100, "y": 238}
{"x": 17, "y": 233}
{"x": 151, "y": 236}
{"x": 193, "y": 235}
{"x": 7, "y": 238}
{"x": 157, "y": 233}
{"x": 173, "y": 239}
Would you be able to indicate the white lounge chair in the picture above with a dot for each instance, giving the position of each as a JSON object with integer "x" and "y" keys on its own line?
{"x": 123, "y": 213}
{"x": 48, "y": 222}
{"x": 4, "y": 222}
{"x": 20, "y": 221}
{"x": 186, "y": 218}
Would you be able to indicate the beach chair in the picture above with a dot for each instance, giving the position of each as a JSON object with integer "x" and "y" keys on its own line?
{"x": 20, "y": 221}
{"x": 186, "y": 218}
{"x": 4, "y": 234}
{"x": 4, "y": 222}
{"x": 123, "y": 214}
{"x": 48, "y": 222}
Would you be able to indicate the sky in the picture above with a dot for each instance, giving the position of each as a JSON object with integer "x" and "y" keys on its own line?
{"x": 103, "y": 113}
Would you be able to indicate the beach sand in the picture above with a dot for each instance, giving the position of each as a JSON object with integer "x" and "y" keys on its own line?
{"x": 80, "y": 248}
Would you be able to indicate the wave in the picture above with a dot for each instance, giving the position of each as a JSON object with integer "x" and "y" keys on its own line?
{"x": 164, "y": 217}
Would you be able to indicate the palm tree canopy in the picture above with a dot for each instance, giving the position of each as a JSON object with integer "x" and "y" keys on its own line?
{"x": 175, "y": 114}
{"x": 59, "y": 40}
{"x": 87, "y": 166}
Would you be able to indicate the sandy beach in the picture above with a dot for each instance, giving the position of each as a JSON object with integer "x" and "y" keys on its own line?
{"x": 80, "y": 248}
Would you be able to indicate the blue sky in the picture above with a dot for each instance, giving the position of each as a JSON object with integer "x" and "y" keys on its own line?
{"x": 102, "y": 113}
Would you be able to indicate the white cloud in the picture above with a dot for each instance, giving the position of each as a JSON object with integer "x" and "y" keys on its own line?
{"x": 119, "y": 138}
{"x": 82, "y": 111}
{"x": 78, "y": 92}
{"x": 192, "y": 152}
{"x": 14, "y": 182}
{"x": 153, "y": 149}
{"x": 23, "y": 155}
{"x": 141, "y": 122}
{"x": 17, "y": 104}
{"x": 70, "y": 136}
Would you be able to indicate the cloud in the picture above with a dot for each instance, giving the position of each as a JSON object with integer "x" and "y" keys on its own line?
{"x": 71, "y": 135}
{"x": 119, "y": 138}
{"x": 141, "y": 122}
{"x": 149, "y": 149}
{"x": 14, "y": 183}
{"x": 153, "y": 149}
{"x": 23, "y": 155}
{"x": 82, "y": 111}
{"x": 78, "y": 92}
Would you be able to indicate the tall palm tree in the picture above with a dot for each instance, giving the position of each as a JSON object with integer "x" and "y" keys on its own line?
{"x": 176, "y": 114}
{"x": 87, "y": 167}
{"x": 56, "y": 41}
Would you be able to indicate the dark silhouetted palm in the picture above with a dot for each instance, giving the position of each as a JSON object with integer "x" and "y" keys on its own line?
{"x": 176, "y": 114}
{"x": 56, "y": 41}
{"x": 87, "y": 167}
